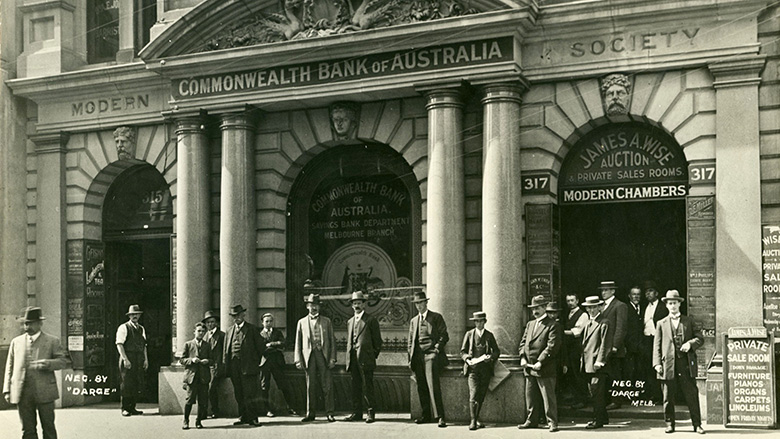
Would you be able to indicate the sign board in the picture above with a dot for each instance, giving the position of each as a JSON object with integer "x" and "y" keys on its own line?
{"x": 542, "y": 250}
{"x": 536, "y": 183}
{"x": 700, "y": 219}
{"x": 770, "y": 264}
{"x": 748, "y": 378}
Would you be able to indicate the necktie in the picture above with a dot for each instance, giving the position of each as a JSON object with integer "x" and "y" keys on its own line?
{"x": 29, "y": 349}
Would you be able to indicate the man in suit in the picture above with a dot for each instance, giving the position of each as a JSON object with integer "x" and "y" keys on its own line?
{"x": 196, "y": 359}
{"x": 617, "y": 313}
{"x": 538, "y": 356}
{"x": 216, "y": 340}
{"x": 674, "y": 358}
{"x": 29, "y": 375}
{"x": 595, "y": 355}
{"x": 133, "y": 360}
{"x": 479, "y": 351}
{"x": 315, "y": 354}
{"x": 364, "y": 342}
{"x": 427, "y": 338}
{"x": 632, "y": 369}
{"x": 272, "y": 364}
{"x": 573, "y": 326}
{"x": 243, "y": 349}
{"x": 652, "y": 312}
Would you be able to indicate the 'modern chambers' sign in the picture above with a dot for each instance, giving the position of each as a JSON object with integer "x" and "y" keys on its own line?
{"x": 624, "y": 162}
{"x": 488, "y": 51}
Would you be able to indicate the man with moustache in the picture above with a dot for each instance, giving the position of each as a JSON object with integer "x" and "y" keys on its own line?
{"x": 539, "y": 357}
{"x": 652, "y": 313}
{"x": 29, "y": 375}
{"x": 133, "y": 360}
{"x": 632, "y": 370}
{"x": 216, "y": 340}
{"x": 616, "y": 312}
{"x": 595, "y": 356}
{"x": 244, "y": 348}
{"x": 315, "y": 354}
{"x": 364, "y": 342}
{"x": 427, "y": 338}
{"x": 573, "y": 326}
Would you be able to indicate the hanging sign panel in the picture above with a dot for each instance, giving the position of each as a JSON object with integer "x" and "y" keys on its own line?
{"x": 770, "y": 263}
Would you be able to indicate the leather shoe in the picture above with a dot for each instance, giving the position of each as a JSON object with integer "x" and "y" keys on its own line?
{"x": 526, "y": 424}
{"x": 699, "y": 430}
{"x": 442, "y": 424}
{"x": 270, "y": 414}
{"x": 213, "y": 416}
{"x": 198, "y": 424}
{"x": 136, "y": 412}
{"x": 593, "y": 425}
{"x": 353, "y": 417}
{"x": 670, "y": 428}
{"x": 239, "y": 422}
{"x": 307, "y": 419}
{"x": 371, "y": 417}
{"x": 480, "y": 424}
{"x": 254, "y": 423}
{"x": 553, "y": 428}
{"x": 185, "y": 425}
{"x": 291, "y": 412}
{"x": 422, "y": 420}
{"x": 331, "y": 418}
{"x": 125, "y": 413}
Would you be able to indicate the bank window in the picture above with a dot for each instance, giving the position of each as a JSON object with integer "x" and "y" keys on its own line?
{"x": 104, "y": 28}
{"x": 41, "y": 29}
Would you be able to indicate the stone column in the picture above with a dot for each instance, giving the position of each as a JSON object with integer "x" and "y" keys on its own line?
{"x": 237, "y": 231}
{"x": 50, "y": 236}
{"x": 193, "y": 228}
{"x": 502, "y": 234}
{"x": 738, "y": 294}
{"x": 445, "y": 222}
{"x": 126, "y": 51}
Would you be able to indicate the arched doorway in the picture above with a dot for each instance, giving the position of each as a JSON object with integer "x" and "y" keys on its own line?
{"x": 137, "y": 228}
{"x": 622, "y": 190}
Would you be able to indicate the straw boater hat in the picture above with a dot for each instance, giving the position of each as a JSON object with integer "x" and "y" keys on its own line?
{"x": 236, "y": 310}
{"x": 312, "y": 298}
{"x": 592, "y": 301}
{"x": 673, "y": 295}
{"x": 210, "y": 315}
{"x": 32, "y": 314}
{"x": 607, "y": 285}
{"x": 552, "y": 307}
{"x": 479, "y": 315}
{"x": 134, "y": 309}
{"x": 419, "y": 297}
{"x": 358, "y": 295}
{"x": 537, "y": 301}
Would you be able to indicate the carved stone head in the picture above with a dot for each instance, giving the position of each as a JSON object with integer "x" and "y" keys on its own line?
{"x": 343, "y": 119}
{"x": 125, "y": 142}
{"x": 616, "y": 91}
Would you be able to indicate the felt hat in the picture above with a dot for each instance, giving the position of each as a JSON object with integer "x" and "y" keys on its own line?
{"x": 538, "y": 301}
{"x": 236, "y": 310}
{"x": 210, "y": 315}
{"x": 592, "y": 301}
{"x": 358, "y": 295}
{"x": 134, "y": 309}
{"x": 673, "y": 295}
{"x": 552, "y": 307}
{"x": 419, "y": 297}
{"x": 479, "y": 315}
{"x": 312, "y": 298}
{"x": 32, "y": 314}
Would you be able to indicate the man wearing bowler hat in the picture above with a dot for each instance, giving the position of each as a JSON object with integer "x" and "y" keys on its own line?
{"x": 595, "y": 355}
{"x": 133, "y": 360}
{"x": 674, "y": 358}
{"x": 617, "y": 313}
{"x": 364, "y": 341}
{"x": 216, "y": 340}
{"x": 315, "y": 354}
{"x": 479, "y": 351}
{"x": 427, "y": 338}
{"x": 29, "y": 375}
{"x": 539, "y": 357}
{"x": 244, "y": 348}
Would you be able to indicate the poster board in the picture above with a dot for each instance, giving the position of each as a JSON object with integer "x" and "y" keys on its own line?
{"x": 748, "y": 378}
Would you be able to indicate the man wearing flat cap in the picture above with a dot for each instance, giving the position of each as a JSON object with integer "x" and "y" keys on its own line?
{"x": 133, "y": 360}
{"x": 29, "y": 375}
{"x": 595, "y": 355}
{"x": 216, "y": 340}
{"x": 479, "y": 351}
{"x": 427, "y": 338}
{"x": 315, "y": 354}
{"x": 539, "y": 357}
{"x": 364, "y": 342}
{"x": 244, "y": 348}
{"x": 674, "y": 358}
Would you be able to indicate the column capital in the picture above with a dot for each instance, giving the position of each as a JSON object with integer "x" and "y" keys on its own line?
{"x": 192, "y": 124}
{"x": 503, "y": 92}
{"x": 738, "y": 71}
{"x": 443, "y": 98}
{"x": 50, "y": 142}
{"x": 244, "y": 120}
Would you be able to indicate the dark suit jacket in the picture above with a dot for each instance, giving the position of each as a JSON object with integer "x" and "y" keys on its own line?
{"x": 273, "y": 356}
{"x": 49, "y": 352}
{"x": 541, "y": 344}
{"x": 439, "y": 337}
{"x": 467, "y": 349}
{"x": 217, "y": 344}
{"x": 660, "y": 312}
{"x": 196, "y": 372}
{"x": 251, "y": 351}
{"x": 596, "y": 344}
{"x": 634, "y": 329}
{"x": 664, "y": 349}
{"x": 369, "y": 341}
{"x": 617, "y": 314}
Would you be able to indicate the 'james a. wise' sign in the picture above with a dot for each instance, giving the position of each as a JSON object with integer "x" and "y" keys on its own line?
{"x": 494, "y": 50}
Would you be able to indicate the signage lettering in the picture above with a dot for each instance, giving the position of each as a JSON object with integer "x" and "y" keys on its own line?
{"x": 450, "y": 55}
{"x": 624, "y": 193}
{"x": 633, "y": 42}
{"x": 109, "y": 105}
{"x": 770, "y": 264}
{"x": 748, "y": 377}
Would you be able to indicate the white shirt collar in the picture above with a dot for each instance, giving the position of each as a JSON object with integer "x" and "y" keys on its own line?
{"x": 594, "y": 318}
{"x": 241, "y": 325}
{"x": 359, "y": 315}
{"x": 541, "y": 318}
{"x": 608, "y": 302}
{"x": 35, "y": 336}
{"x": 424, "y": 315}
{"x": 480, "y": 332}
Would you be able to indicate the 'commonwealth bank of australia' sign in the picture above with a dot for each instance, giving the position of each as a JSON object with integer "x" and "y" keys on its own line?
{"x": 488, "y": 51}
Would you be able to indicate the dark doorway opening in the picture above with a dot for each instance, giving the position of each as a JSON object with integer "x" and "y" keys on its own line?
{"x": 629, "y": 243}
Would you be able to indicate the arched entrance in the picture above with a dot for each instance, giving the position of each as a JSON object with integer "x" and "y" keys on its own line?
{"x": 137, "y": 228}
{"x": 622, "y": 190}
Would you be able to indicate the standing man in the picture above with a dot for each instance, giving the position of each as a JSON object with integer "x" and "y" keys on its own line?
{"x": 29, "y": 375}
{"x": 674, "y": 358}
{"x": 632, "y": 368}
{"x": 196, "y": 359}
{"x": 654, "y": 310}
{"x": 538, "y": 356}
{"x": 364, "y": 342}
{"x": 315, "y": 354}
{"x": 243, "y": 349}
{"x": 616, "y": 312}
{"x": 573, "y": 327}
{"x": 595, "y": 355}
{"x": 272, "y": 364}
{"x": 216, "y": 340}
{"x": 479, "y": 352}
{"x": 427, "y": 338}
{"x": 133, "y": 360}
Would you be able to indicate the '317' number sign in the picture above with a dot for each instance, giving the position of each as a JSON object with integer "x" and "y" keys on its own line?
{"x": 536, "y": 184}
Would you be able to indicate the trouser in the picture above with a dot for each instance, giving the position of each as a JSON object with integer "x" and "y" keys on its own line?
{"x": 27, "y": 408}
{"x": 197, "y": 393}
{"x": 362, "y": 385}
{"x": 214, "y": 391}
{"x": 479, "y": 380}
{"x": 614, "y": 373}
{"x": 318, "y": 377}
{"x": 652, "y": 386}
{"x": 597, "y": 384}
{"x": 426, "y": 373}
{"x": 540, "y": 394}
{"x": 277, "y": 373}
{"x": 574, "y": 380}
{"x": 689, "y": 389}
{"x": 246, "y": 389}
{"x": 132, "y": 380}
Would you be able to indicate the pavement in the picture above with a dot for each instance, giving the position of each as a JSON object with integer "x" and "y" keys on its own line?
{"x": 105, "y": 422}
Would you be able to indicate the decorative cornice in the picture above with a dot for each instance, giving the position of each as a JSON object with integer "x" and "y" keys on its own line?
{"x": 47, "y": 5}
{"x": 505, "y": 92}
{"x": 738, "y": 71}
{"x": 48, "y": 143}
